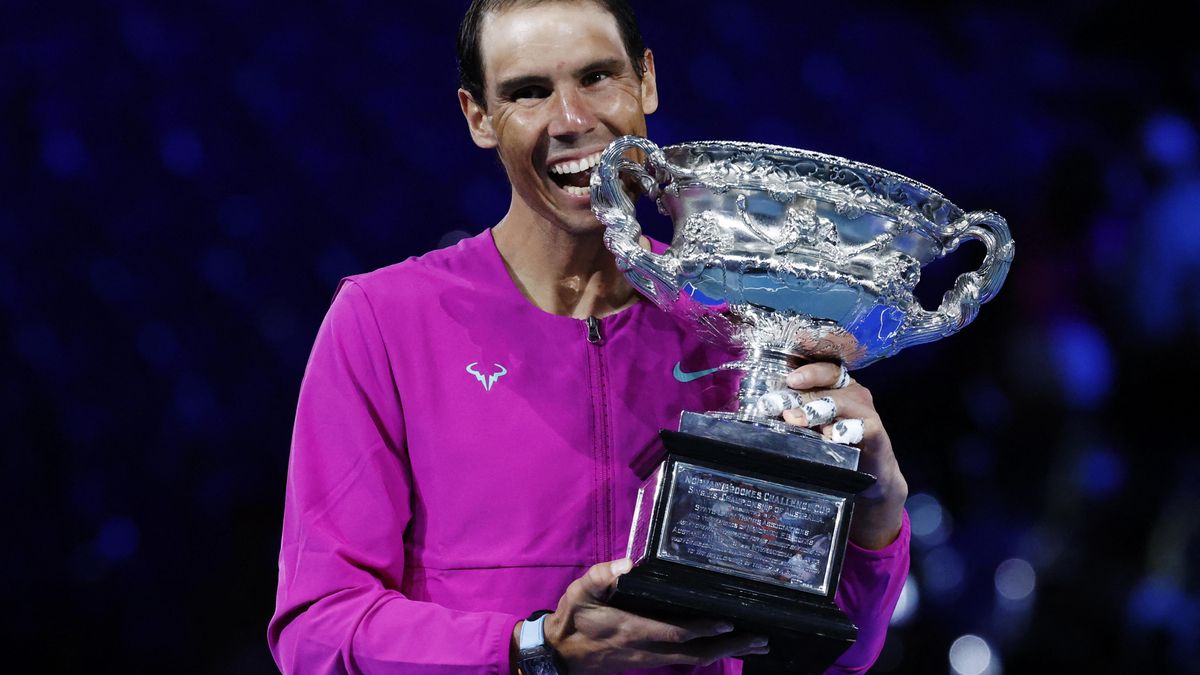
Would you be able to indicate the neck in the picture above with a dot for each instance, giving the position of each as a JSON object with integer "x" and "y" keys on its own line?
{"x": 560, "y": 271}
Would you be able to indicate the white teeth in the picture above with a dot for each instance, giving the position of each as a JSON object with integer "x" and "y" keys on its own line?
{"x": 577, "y": 191}
{"x": 576, "y": 165}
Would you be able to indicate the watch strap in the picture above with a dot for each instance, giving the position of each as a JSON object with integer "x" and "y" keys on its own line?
{"x": 533, "y": 633}
{"x": 535, "y": 656}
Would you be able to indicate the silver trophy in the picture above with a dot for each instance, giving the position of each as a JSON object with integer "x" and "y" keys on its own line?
{"x": 786, "y": 256}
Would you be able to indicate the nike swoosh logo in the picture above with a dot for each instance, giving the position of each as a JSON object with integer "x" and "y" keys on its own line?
{"x": 681, "y": 376}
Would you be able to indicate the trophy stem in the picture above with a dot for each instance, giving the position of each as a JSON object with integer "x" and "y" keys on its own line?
{"x": 762, "y": 370}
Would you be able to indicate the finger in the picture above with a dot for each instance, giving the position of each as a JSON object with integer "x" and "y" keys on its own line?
{"x": 848, "y": 431}
{"x": 817, "y": 375}
{"x": 844, "y": 378}
{"x": 851, "y": 405}
{"x": 709, "y": 650}
{"x": 872, "y": 434}
{"x": 601, "y": 578}
{"x": 813, "y": 413}
{"x": 773, "y": 403}
{"x": 644, "y": 631}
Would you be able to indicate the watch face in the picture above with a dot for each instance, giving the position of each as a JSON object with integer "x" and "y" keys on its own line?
{"x": 541, "y": 663}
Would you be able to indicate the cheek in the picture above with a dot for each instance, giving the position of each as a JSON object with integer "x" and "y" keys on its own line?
{"x": 621, "y": 108}
{"x": 621, "y": 103}
{"x": 519, "y": 143}
{"x": 501, "y": 123}
{"x": 512, "y": 132}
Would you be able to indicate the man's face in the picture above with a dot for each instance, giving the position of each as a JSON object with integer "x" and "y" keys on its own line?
{"x": 560, "y": 88}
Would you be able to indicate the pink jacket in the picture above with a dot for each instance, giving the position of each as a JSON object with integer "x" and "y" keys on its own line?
{"x": 460, "y": 456}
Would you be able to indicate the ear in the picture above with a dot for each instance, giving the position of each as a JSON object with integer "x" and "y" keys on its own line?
{"x": 649, "y": 85}
{"x": 478, "y": 121}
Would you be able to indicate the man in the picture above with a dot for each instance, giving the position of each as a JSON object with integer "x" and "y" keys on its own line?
{"x": 474, "y": 423}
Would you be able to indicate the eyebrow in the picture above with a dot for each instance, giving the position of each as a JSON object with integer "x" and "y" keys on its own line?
{"x": 514, "y": 83}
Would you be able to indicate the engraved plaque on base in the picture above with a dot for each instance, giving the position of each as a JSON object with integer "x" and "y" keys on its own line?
{"x": 787, "y": 256}
{"x": 755, "y": 529}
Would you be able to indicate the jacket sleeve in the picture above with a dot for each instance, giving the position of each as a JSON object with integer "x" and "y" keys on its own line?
{"x": 868, "y": 593}
{"x": 339, "y": 607}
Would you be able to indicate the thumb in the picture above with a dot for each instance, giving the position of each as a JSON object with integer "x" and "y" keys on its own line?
{"x": 601, "y": 579}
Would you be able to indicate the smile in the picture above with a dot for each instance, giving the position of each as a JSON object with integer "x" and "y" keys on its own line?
{"x": 573, "y": 175}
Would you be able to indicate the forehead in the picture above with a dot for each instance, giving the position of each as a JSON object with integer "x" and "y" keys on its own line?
{"x": 534, "y": 39}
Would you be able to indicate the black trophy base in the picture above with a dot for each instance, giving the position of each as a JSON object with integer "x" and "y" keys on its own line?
{"x": 804, "y": 637}
{"x": 710, "y": 540}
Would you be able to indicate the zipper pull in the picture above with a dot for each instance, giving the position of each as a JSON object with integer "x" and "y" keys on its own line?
{"x": 594, "y": 335}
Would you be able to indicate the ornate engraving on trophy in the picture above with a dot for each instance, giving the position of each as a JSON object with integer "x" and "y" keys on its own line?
{"x": 704, "y": 239}
{"x": 752, "y": 528}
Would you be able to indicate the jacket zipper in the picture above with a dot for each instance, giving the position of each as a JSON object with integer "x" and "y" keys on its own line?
{"x": 594, "y": 335}
{"x": 602, "y": 448}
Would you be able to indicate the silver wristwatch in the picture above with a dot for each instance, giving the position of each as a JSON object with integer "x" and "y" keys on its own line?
{"x": 536, "y": 657}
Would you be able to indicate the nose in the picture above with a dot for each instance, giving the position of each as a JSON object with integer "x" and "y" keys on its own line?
{"x": 573, "y": 115}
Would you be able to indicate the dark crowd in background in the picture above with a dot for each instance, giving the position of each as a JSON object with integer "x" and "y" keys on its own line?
{"x": 183, "y": 184}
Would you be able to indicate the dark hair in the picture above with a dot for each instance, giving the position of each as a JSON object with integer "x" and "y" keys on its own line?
{"x": 470, "y": 56}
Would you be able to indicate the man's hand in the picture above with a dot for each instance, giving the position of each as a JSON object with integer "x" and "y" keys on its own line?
{"x": 592, "y": 637}
{"x": 878, "y": 510}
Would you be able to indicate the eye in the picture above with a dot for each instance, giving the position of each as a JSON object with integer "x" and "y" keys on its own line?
{"x": 530, "y": 92}
{"x": 596, "y": 76}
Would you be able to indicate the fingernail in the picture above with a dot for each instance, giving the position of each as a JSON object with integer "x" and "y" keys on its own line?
{"x": 796, "y": 379}
{"x": 621, "y": 566}
{"x": 723, "y": 628}
{"x": 759, "y": 642}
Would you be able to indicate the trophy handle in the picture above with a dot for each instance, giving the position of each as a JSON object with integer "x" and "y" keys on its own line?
{"x": 961, "y": 303}
{"x": 650, "y": 273}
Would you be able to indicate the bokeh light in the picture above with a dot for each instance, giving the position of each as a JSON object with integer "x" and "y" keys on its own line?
{"x": 972, "y": 655}
{"x": 931, "y": 524}
{"x": 1015, "y": 579}
{"x": 943, "y": 572}
{"x": 909, "y": 603}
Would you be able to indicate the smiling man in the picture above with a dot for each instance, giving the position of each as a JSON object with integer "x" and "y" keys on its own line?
{"x": 558, "y": 85}
{"x": 474, "y": 423}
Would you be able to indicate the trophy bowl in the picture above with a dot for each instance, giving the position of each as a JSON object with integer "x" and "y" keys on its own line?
{"x": 792, "y": 255}
{"x": 785, "y": 256}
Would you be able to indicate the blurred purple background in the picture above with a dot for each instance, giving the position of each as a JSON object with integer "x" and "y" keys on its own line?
{"x": 182, "y": 185}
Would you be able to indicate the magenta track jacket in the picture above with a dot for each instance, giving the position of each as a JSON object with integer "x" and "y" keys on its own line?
{"x": 460, "y": 456}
